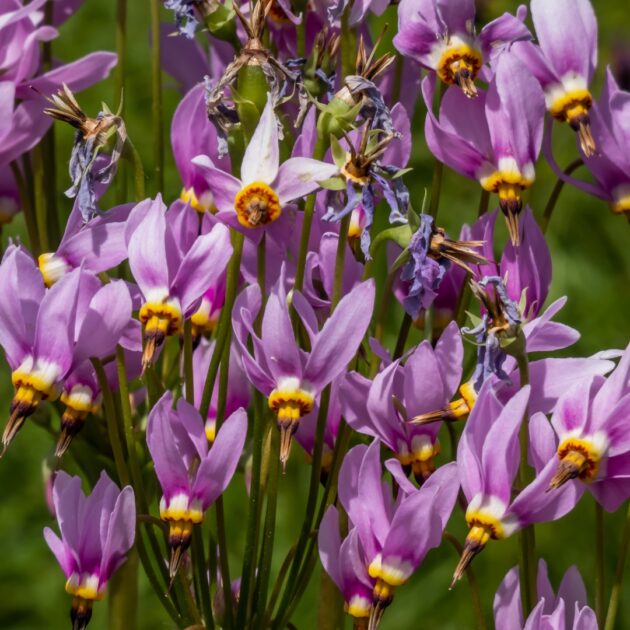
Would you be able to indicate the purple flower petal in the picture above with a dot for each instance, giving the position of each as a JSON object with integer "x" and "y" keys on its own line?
{"x": 300, "y": 176}
{"x": 217, "y": 469}
{"x": 341, "y": 335}
{"x": 262, "y": 156}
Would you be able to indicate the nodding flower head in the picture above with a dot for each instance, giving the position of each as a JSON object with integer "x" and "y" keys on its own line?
{"x": 266, "y": 186}
{"x": 443, "y": 38}
{"x": 290, "y": 378}
{"x": 192, "y": 474}
{"x": 97, "y": 531}
{"x": 564, "y": 62}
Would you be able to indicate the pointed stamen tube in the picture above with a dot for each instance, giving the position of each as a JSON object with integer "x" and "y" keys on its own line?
{"x": 570, "y": 467}
{"x": 476, "y": 541}
{"x": 19, "y": 413}
{"x": 80, "y": 613}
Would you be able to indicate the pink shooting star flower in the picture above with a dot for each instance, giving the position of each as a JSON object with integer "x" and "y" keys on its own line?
{"x": 441, "y": 36}
{"x": 590, "y": 421}
{"x": 192, "y": 475}
{"x": 97, "y": 531}
{"x": 173, "y": 268}
{"x": 291, "y": 378}
{"x": 266, "y": 186}
{"x": 568, "y": 610}
{"x": 488, "y": 459}
{"x": 395, "y": 534}
{"x": 564, "y": 61}
{"x": 381, "y": 408}
{"x": 47, "y": 333}
{"x": 494, "y": 139}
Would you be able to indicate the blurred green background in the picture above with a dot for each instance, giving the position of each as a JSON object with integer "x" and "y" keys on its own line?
{"x": 591, "y": 261}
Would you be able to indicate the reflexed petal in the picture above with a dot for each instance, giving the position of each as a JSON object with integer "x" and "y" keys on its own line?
{"x": 61, "y": 551}
{"x": 299, "y": 176}
{"x": 121, "y": 533}
{"x": 54, "y": 333}
{"x": 281, "y": 351}
{"x": 147, "y": 249}
{"x": 341, "y": 335}
{"x": 329, "y": 543}
{"x": 169, "y": 467}
{"x": 21, "y": 291}
{"x": 500, "y": 458}
{"x": 77, "y": 75}
{"x": 572, "y": 411}
{"x": 567, "y": 33}
{"x": 222, "y": 185}
{"x": 202, "y": 266}
{"x": 507, "y": 602}
{"x": 260, "y": 162}
{"x": 449, "y": 352}
{"x": 108, "y": 315}
{"x": 217, "y": 469}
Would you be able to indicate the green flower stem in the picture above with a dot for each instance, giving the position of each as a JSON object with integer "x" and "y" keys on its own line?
{"x": 119, "y": 81}
{"x": 438, "y": 167}
{"x": 599, "y": 564}
{"x": 527, "y": 539}
{"x": 309, "y": 209}
{"x": 201, "y": 573}
{"x": 342, "y": 243}
{"x": 219, "y": 511}
{"x": 40, "y": 198}
{"x": 135, "y": 470}
{"x": 311, "y": 504}
{"x": 225, "y": 321}
{"x": 472, "y": 582}
{"x": 269, "y": 528}
{"x": 156, "y": 96}
{"x": 131, "y": 154}
{"x": 123, "y": 595}
{"x": 188, "y": 363}
{"x": 253, "y": 518}
{"x": 555, "y": 195}
{"x": 27, "y": 209}
{"x": 403, "y": 333}
{"x": 112, "y": 424}
{"x": 615, "y": 594}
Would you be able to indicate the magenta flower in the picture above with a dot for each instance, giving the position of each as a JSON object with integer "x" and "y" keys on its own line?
{"x": 592, "y": 445}
{"x": 99, "y": 245}
{"x": 441, "y": 36}
{"x": 192, "y": 475}
{"x": 238, "y": 387}
{"x": 567, "y": 610}
{"x": 46, "y": 333}
{"x": 291, "y": 378}
{"x": 488, "y": 459}
{"x": 266, "y": 186}
{"x": 395, "y": 535}
{"x": 495, "y": 139}
{"x": 97, "y": 531}
{"x": 172, "y": 266}
{"x": 564, "y": 61}
{"x": 426, "y": 382}
{"x": 22, "y": 122}
{"x": 610, "y": 166}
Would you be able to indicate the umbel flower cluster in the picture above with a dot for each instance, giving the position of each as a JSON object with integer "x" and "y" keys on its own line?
{"x": 296, "y": 296}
